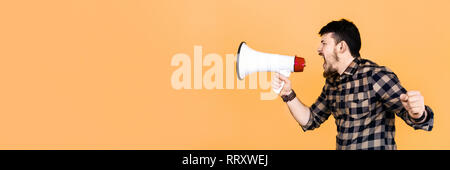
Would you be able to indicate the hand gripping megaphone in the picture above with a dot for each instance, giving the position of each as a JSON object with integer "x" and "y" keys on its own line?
{"x": 249, "y": 61}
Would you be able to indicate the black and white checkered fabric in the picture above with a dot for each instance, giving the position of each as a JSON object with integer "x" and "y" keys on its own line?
{"x": 364, "y": 101}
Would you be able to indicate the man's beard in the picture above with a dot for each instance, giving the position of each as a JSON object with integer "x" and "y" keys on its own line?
{"x": 329, "y": 71}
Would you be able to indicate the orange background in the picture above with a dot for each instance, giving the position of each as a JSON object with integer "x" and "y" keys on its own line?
{"x": 86, "y": 74}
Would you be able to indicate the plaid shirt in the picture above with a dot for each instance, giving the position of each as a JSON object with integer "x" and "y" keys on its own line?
{"x": 364, "y": 101}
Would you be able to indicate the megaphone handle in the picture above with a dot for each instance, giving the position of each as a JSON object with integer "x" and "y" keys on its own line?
{"x": 285, "y": 73}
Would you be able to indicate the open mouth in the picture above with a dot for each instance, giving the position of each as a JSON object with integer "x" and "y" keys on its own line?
{"x": 324, "y": 63}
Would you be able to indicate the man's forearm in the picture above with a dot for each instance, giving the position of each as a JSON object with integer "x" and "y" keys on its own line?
{"x": 300, "y": 112}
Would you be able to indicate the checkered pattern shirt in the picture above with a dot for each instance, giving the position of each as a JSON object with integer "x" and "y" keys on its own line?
{"x": 364, "y": 101}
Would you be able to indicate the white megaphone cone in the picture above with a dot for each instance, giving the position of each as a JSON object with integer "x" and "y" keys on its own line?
{"x": 250, "y": 61}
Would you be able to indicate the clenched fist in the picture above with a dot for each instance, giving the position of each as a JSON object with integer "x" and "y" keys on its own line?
{"x": 277, "y": 78}
{"x": 414, "y": 103}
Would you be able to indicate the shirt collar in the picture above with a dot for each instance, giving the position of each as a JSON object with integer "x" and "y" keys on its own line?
{"x": 352, "y": 67}
{"x": 349, "y": 71}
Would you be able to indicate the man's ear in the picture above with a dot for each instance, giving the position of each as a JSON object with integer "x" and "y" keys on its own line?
{"x": 342, "y": 47}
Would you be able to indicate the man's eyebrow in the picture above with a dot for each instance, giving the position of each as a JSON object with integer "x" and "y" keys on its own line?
{"x": 321, "y": 41}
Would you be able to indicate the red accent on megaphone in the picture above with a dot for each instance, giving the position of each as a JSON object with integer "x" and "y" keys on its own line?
{"x": 299, "y": 64}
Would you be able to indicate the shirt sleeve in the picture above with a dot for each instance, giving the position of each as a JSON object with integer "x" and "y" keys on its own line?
{"x": 388, "y": 88}
{"x": 319, "y": 112}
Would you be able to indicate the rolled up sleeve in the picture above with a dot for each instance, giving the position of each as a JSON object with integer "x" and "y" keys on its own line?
{"x": 388, "y": 88}
{"x": 319, "y": 112}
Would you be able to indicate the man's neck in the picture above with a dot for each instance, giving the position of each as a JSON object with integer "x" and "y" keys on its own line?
{"x": 344, "y": 63}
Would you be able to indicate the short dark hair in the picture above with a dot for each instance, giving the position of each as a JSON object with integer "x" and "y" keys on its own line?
{"x": 344, "y": 30}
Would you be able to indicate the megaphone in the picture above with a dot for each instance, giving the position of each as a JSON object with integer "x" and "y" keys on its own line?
{"x": 249, "y": 61}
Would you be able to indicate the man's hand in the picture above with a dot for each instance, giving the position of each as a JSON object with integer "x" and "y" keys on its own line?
{"x": 413, "y": 103}
{"x": 277, "y": 78}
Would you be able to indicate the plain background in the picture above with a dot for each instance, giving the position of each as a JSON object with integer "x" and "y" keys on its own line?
{"x": 85, "y": 74}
